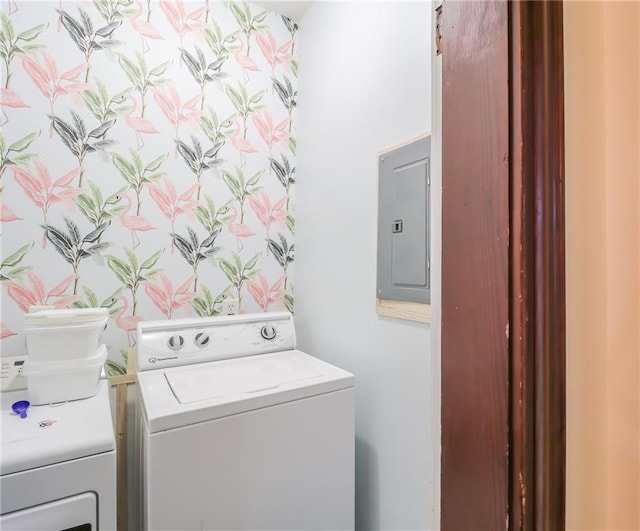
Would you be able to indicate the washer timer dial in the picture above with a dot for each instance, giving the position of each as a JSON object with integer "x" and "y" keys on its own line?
{"x": 268, "y": 332}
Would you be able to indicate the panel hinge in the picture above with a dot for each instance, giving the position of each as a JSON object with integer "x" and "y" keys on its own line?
{"x": 438, "y": 30}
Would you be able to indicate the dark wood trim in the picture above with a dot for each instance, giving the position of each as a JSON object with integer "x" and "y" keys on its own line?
{"x": 538, "y": 272}
{"x": 475, "y": 266}
{"x": 503, "y": 396}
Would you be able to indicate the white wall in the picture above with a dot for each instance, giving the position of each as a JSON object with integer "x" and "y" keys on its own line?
{"x": 364, "y": 86}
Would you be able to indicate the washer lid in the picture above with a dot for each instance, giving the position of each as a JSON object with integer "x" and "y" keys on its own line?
{"x": 180, "y": 396}
{"x": 245, "y": 375}
{"x": 53, "y": 434}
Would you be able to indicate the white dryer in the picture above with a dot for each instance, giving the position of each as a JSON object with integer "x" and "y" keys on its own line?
{"x": 58, "y": 465}
{"x": 238, "y": 430}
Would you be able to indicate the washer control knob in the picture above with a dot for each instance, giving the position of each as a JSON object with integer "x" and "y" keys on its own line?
{"x": 268, "y": 332}
{"x": 176, "y": 342}
{"x": 201, "y": 339}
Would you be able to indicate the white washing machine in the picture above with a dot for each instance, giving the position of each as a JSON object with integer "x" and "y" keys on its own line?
{"x": 238, "y": 430}
{"x": 58, "y": 465}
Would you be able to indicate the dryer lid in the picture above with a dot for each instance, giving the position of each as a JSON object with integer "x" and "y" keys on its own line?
{"x": 54, "y": 433}
{"x": 244, "y": 375}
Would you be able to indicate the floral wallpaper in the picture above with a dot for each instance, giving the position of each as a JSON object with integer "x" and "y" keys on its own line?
{"x": 147, "y": 160}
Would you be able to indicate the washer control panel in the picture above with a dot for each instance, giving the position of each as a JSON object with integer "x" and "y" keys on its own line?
{"x": 187, "y": 341}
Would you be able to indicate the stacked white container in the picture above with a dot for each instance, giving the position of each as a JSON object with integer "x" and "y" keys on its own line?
{"x": 66, "y": 354}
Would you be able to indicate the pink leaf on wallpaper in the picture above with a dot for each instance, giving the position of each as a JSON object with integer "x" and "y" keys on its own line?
{"x": 267, "y": 44}
{"x": 20, "y": 295}
{"x": 65, "y": 195}
{"x": 192, "y": 103}
{"x": 32, "y": 188}
{"x": 263, "y": 294}
{"x": 38, "y": 287}
{"x": 174, "y": 11}
{"x": 43, "y": 171}
{"x": 171, "y": 190}
{"x": 261, "y": 209}
{"x": 180, "y": 20}
{"x": 270, "y": 133}
{"x": 169, "y": 203}
{"x": 273, "y": 53}
{"x": 285, "y": 47}
{"x": 157, "y": 297}
{"x": 166, "y": 105}
{"x": 175, "y": 111}
{"x": 188, "y": 195}
{"x": 165, "y": 298}
{"x": 71, "y": 75}
{"x": 279, "y": 207}
{"x": 58, "y": 291}
{"x": 52, "y": 67}
{"x": 161, "y": 199}
{"x": 38, "y": 75}
{"x": 184, "y": 288}
{"x": 75, "y": 88}
{"x": 68, "y": 177}
{"x": 257, "y": 294}
{"x": 264, "y": 126}
{"x": 47, "y": 79}
{"x": 8, "y": 98}
{"x": 183, "y": 299}
{"x": 167, "y": 284}
{"x": 5, "y": 332}
{"x": 197, "y": 13}
{"x": 266, "y": 213}
{"x": 7, "y": 215}
{"x": 65, "y": 302}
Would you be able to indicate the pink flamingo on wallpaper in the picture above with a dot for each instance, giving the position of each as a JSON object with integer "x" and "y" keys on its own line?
{"x": 271, "y": 133}
{"x": 128, "y": 324}
{"x": 241, "y": 144}
{"x": 166, "y": 298}
{"x": 181, "y": 21}
{"x": 145, "y": 29}
{"x": 172, "y": 205}
{"x": 239, "y": 230}
{"x": 41, "y": 189}
{"x": 140, "y": 125}
{"x": 263, "y": 294}
{"x": 273, "y": 53}
{"x": 247, "y": 63}
{"x": 134, "y": 223}
{"x": 50, "y": 82}
{"x": 37, "y": 294}
{"x": 175, "y": 111}
{"x": 8, "y": 98}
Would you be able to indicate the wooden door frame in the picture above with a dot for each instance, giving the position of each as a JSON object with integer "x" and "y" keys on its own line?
{"x": 534, "y": 497}
{"x": 538, "y": 410}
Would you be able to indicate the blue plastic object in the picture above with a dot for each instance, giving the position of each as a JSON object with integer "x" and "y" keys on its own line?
{"x": 21, "y": 407}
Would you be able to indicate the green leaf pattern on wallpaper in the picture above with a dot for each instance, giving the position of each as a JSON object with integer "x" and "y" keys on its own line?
{"x": 147, "y": 160}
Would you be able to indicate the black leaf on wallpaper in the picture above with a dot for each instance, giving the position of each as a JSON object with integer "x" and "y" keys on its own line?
{"x": 84, "y": 36}
{"x": 284, "y": 172}
{"x": 76, "y": 138}
{"x": 282, "y": 251}
{"x": 286, "y": 92}
{"x": 72, "y": 246}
